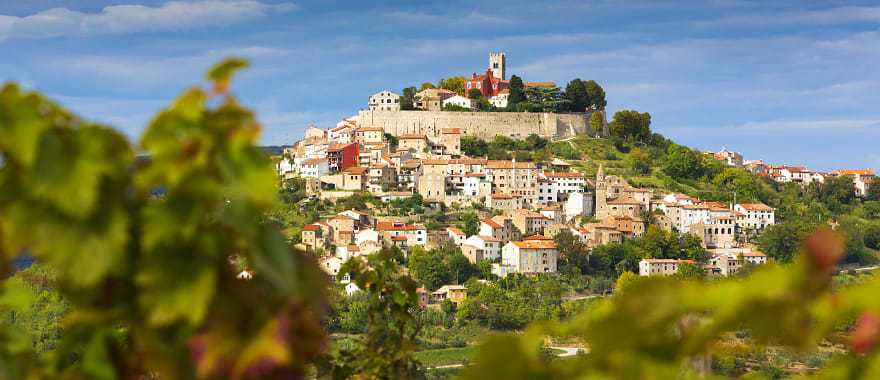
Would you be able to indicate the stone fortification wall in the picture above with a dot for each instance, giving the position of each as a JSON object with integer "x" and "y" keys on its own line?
{"x": 485, "y": 125}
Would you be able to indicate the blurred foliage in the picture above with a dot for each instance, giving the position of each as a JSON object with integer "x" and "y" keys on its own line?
{"x": 140, "y": 247}
{"x": 668, "y": 328}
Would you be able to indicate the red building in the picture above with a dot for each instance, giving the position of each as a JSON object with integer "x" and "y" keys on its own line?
{"x": 341, "y": 156}
{"x": 487, "y": 83}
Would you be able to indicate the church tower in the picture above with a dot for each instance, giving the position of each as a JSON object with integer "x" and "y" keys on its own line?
{"x": 498, "y": 65}
{"x": 601, "y": 193}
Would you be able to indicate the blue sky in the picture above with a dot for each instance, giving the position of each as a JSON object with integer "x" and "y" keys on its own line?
{"x": 785, "y": 81}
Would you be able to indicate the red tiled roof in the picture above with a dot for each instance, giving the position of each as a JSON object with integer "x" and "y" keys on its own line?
{"x": 311, "y": 227}
{"x": 451, "y": 131}
{"x": 863, "y": 172}
{"x": 491, "y": 223}
{"x": 356, "y": 170}
{"x": 755, "y": 207}
{"x": 395, "y": 226}
{"x": 455, "y": 231}
{"x": 535, "y": 244}
{"x": 537, "y": 237}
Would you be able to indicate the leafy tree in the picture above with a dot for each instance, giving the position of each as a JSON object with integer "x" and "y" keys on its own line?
{"x": 293, "y": 190}
{"x": 746, "y": 185}
{"x": 625, "y": 282}
{"x": 470, "y": 223}
{"x": 426, "y": 86}
{"x": 871, "y": 209}
{"x": 782, "y": 241}
{"x": 42, "y": 314}
{"x": 407, "y": 100}
{"x": 475, "y": 94}
{"x": 631, "y": 125}
{"x": 683, "y": 163}
{"x": 572, "y": 252}
{"x": 690, "y": 272}
{"x": 576, "y": 93}
{"x": 595, "y": 95}
{"x": 872, "y": 236}
{"x": 641, "y": 161}
{"x": 474, "y": 147}
{"x": 873, "y": 191}
{"x": 387, "y": 349}
{"x": 597, "y": 122}
{"x": 835, "y": 192}
{"x": 544, "y": 99}
{"x": 517, "y": 93}
{"x": 455, "y": 84}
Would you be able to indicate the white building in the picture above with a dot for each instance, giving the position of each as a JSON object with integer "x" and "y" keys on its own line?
{"x": 754, "y": 216}
{"x": 578, "y": 204}
{"x": 500, "y": 100}
{"x": 527, "y": 257}
{"x": 460, "y": 101}
{"x": 385, "y": 101}
{"x": 456, "y": 235}
{"x": 490, "y": 246}
{"x": 660, "y": 267}
{"x": 861, "y": 179}
{"x": 314, "y": 167}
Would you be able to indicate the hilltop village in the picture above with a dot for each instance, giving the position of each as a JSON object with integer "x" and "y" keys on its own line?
{"x": 416, "y": 160}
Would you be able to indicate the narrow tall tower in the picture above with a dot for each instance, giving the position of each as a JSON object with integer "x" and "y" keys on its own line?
{"x": 498, "y": 65}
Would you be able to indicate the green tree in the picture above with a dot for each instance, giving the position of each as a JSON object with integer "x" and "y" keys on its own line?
{"x": 42, "y": 315}
{"x": 474, "y": 147}
{"x": 470, "y": 223}
{"x": 690, "y": 272}
{"x": 517, "y": 93}
{"x": 597, "y": 122}
{"x": 426, "y": 86}
{"x": 475, "y": 94}
{"x": 641, "y": 161}
{"x": 746, "y": 185}
{"x": 595, "y": 95}
{"x": 683, "y": 163}
{"x": 576, "y": 93}
{"x": 572, "y": 252}
{"x": 387, "y": 349}
{"x": 782, "y": 241}
{"x": 631, "y": 125}
{"x": 625, "y": 282}
{"x": 455, "y": 84}
{"x": 873, "y": 191}
{"x": 407, "y": 100}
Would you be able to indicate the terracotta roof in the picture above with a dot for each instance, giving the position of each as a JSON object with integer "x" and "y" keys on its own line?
{"x": 338, "y": 147}
{"x": 314, "y": 161}
{"x": 537, "y": 237}
{"x": 474, "y": 175}
{"x": 502, "y": 196}
{"x": 434, "y": 161}
{"x": 491, "y": 223}
{"x": 411, "y": 136}
{"x": 352, "y": 248}
{"x": 311, "y": 227}
{"x": 370, "y": 129}
{"x": 624, "y": 200}
{"x": 864, "y": 172}
{"x": 668, "y": 261}
{"x": 535, "y": 244}
{"x": 396, "y": 226}
{"x": 398, "y": 238}
{"x": 755, "y": 207}
{"x": 540, "y": 84}
{"x": 754, "y": 254}
{"x": 451, "y": 131}
{"x": 455, "y": 231}
{"x": 504, "y": 164}
{"x": 563, "y": 175}
{"x": 488, "y": 238}
{"x": 356, "y": 170}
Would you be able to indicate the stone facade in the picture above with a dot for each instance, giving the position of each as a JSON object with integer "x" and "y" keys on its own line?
{"x": 484, "y": 125}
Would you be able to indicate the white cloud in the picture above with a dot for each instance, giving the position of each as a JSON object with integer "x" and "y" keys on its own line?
{"x": 828, "y": 124}
{"x": 830, "y": 16}
{"x": 121, "y": 19}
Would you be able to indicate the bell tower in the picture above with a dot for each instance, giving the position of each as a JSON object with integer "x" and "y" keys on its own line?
{"x": 498, "y": 65}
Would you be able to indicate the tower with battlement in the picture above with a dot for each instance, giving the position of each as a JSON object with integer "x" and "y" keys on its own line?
{"x": 498, "y": 65}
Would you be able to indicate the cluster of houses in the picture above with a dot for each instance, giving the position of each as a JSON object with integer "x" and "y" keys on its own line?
{"x": 801, "y": 175}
